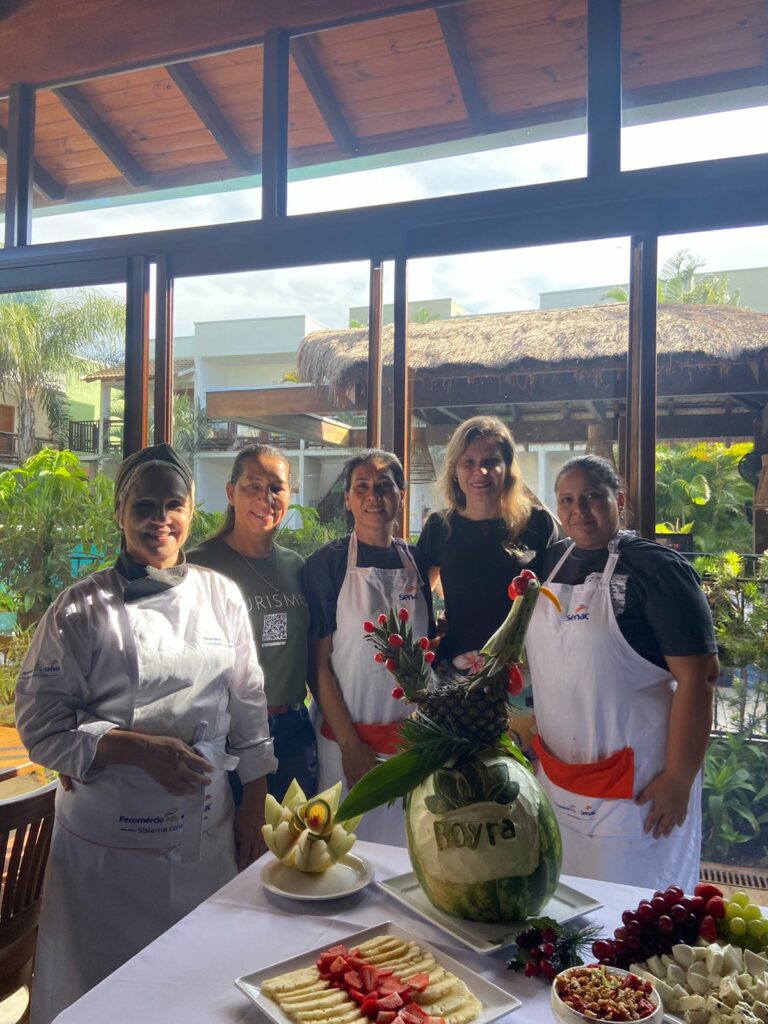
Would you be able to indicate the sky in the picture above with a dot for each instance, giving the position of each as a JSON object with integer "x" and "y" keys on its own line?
{"x": 482, "y": 282}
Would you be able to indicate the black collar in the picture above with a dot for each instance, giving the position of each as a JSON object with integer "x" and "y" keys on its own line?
{"x": 144, "y": 580}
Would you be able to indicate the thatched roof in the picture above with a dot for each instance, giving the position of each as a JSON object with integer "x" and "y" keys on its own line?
{"x": 536, "y": 339}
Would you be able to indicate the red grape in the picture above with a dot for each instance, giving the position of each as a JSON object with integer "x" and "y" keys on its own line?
{"x": 659, "y": 904}
{"x": 678, "y": 913}
{"x": 645, "y": 912}
{"x": 547, "y": 949}
{"x": 698, "y": 906}
{"x": 547, "y": 969}
{"x": 665, "y": 924}
{"x": 619, "y": 933}
{"x": 634, "y": 928}
{"x": 627, "y": 916}
{"x": 602, "y": 949}
{"x": 677, "y": 891}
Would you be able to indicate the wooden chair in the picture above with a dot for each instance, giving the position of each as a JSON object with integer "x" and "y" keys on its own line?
{"x": 26, "y": 824}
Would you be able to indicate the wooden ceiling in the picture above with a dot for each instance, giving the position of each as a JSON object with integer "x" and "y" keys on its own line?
{"x": 426, "y": 76}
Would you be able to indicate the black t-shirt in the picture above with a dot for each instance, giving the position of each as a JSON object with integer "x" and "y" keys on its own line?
{"x": 477, "y": 563}
{"x": 658, "y": 603}
{"x": 324, "y": 573}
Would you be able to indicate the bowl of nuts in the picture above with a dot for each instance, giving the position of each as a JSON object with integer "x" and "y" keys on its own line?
{"x": 597, "y": 992}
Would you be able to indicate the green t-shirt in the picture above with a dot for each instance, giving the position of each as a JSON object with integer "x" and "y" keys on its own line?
{"x": 273, "y": 591}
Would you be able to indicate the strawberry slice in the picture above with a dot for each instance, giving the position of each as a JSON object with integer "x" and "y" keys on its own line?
{"x": 392, "y": 1001}
{"x": 409, "y": 1018}
{"x": 369, "y": 976}
{"x": 356, "y": 962}
{"x": 385, "y": 1016}
{"x": 352, "y": 980}
{"x": 419, "y": 982}
{"x": 357, "y": 995}
{"x": 416, "y": 1009}
{"x": 433, "y": 1020}
{"x": 370, "y": 1006}
{"x": 340, "y": 950}
{"x": 338, "y": 966}
{"x": 387, "y": 985}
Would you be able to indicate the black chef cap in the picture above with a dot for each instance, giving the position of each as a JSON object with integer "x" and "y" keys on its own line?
{"x": 136, "y": 464}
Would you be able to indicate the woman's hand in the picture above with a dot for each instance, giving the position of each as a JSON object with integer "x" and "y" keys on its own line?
{"x": 357, "y": 758}
{"x": 249, "y": 817}
{"x": 166, "y": 759}
{"x": 669, "y": 804}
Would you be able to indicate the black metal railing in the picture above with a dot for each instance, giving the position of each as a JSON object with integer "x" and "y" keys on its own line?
{"x": 9, "y": 446}
{"x": 84, "y": 436}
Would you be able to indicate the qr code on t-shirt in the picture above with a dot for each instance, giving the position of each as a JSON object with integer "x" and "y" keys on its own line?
{"x": 275, "y": 629}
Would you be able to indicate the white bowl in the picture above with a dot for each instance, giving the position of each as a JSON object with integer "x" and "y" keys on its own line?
{"x": 567, "y": 1015}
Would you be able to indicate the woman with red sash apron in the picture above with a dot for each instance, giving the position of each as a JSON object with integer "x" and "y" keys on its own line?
{"x": 356, "y": 718}
{"x": 620, "y": 739}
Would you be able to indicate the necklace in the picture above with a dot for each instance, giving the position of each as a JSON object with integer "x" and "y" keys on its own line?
{"x": 276, "y": 585}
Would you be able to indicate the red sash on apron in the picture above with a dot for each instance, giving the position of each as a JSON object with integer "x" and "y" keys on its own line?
{"x": 612, "y": 778}
{"x": 382, "y": 736}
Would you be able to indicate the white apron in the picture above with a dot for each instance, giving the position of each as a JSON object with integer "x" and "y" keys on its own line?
{"x": 366, "y": 686}
{"x": 600, "y": 705}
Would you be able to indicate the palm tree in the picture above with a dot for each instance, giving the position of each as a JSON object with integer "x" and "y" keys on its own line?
{"x": 44, "y": 337}
{"x": 679, "y": 282}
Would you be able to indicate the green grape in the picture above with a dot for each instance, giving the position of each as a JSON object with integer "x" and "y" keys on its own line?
{"x": 732, "y": 910}
{"x": 757, "y": 927}
{"x": 751, "y": 912}
{"x": 740, "y": 899}
{"x": 738, "y": 926}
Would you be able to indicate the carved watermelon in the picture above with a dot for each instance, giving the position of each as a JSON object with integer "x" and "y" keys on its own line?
{"x": 483, "y": 840}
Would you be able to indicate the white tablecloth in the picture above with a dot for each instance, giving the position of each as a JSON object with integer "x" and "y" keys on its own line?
{"x": 187, "y": 975}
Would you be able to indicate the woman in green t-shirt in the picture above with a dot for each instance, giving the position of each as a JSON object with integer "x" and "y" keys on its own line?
{"x": 270, "y": 580}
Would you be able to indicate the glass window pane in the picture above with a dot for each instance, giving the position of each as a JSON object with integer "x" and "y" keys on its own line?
{"x": 478, "y": 96}
{"x": 158, "y": 148}
{"x": 693, "y": 81}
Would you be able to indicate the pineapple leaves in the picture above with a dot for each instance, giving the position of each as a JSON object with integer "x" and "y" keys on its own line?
{"x": 513, "y": 750}
{"x": 392, "y": 779}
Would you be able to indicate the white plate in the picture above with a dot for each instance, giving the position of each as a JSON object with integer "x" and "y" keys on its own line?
{"x": 565, "y": 905}
{"x": 496, "y": 1002}
{"x": 347, "y": 875}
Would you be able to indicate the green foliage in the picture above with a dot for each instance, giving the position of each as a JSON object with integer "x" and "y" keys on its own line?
{"x": 11, "y": 657}
{"x": 49, "y": 508}
{"x": 699, "y": 484}
{"x": 735, "y": 799}
{"x": 204, "y": 525}
{"x": 679, "y": 281}
{"x": 44, "y": 337}
{"x": 312, "y": 533}
{"x": 191, "y": 427}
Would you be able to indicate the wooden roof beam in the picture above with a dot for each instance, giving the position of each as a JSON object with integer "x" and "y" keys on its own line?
{"x": 45, "y": 183}
{"x": 462, "y": 68}
{"x": 322, "y": 93}
{"x": 80, "y": 109}
{"x": 206, "y": 108}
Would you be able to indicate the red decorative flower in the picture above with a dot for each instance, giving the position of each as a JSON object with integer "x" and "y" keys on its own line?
{"x": 528, "y": 574}
{"x": 517, "y": 587}
{"x": 368, "y": 626}
{"x": 378, "y": 656}
{"x": 515, "y": 681}
{"x": 429, "y": 657}
{"x": 398, "y": 692}
{"x": 423, "y": 643}
{"x": 403, "y": 615}
{"x": 391, "y": 664}
{"x": 382, "y": 620}
{"x": 395, "y": 640}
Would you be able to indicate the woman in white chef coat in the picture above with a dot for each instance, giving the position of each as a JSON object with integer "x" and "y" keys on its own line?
{"x": 142, "y": 687}
{"x": 622, "y": 683}
{"x": 348, "y": 581}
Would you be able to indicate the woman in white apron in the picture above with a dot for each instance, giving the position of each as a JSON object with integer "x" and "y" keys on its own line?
{"x": 141, "y": 687}
{"x": 348, "y": 581}
{"x": 622, "y": 727}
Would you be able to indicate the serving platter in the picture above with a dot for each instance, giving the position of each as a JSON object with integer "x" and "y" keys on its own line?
{"x": 566, "y": 904}
{"x": 496, "y": 1001}
{"x": 348, "y": 875}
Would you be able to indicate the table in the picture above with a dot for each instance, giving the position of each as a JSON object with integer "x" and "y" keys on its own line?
{"x": 187, "y": 975}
